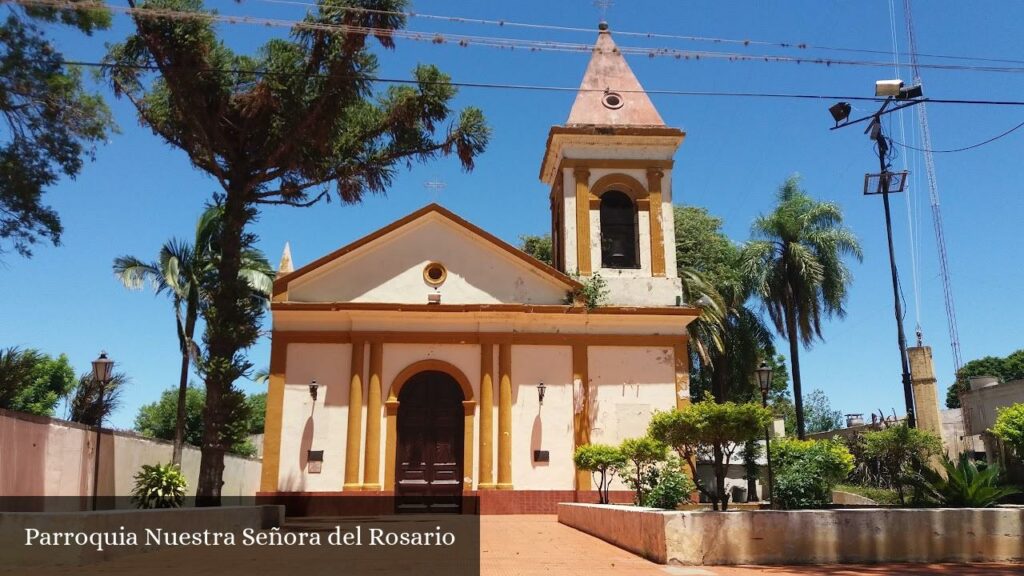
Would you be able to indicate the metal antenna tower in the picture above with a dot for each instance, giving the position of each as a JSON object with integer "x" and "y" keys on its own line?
{"x": 933, "y": 196}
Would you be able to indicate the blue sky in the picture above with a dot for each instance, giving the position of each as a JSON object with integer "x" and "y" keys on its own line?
{"x": 140, "y": 191}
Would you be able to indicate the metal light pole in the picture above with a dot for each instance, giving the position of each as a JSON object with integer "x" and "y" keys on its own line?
{"x": 764, "y": 380}
{"x": 888, "y": 182}
{"x": 102, "y": 368}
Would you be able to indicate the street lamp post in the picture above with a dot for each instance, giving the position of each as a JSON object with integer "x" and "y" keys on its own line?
{"x": 102, "y": 368}
{"x": 888, "y": 182}
{"x": 764, "y": 381}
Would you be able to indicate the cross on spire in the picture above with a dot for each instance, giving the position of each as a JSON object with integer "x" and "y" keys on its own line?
{"x": 602, "y": 7}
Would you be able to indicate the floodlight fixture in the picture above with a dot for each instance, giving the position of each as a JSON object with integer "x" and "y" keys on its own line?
{"x": 840, "y": 112}
{"x": 910, "y": 92}
{"x": 888, "y": 88}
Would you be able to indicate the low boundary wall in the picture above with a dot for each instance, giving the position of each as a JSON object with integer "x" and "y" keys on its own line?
{"x": 13, "y": 527}
{"x": 806, "y": 536}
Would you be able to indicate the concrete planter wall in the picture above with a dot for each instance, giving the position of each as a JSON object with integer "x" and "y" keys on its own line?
{"x": 806, "y": 536}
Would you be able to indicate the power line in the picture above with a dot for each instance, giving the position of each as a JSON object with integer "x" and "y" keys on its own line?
{"x": 690, "y": 38}
{"x": 488, "y": 41}
{"x": 965, "y": 148}
{"x": 538, "y": 87}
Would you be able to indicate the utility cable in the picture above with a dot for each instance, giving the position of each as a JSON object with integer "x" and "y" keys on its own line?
{"x": 965, "y": 148}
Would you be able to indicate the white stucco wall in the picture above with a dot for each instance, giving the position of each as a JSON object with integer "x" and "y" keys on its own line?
{"x": 627, "y": 384}
{"x": 537, "y": 427}
{"x": 323, "y": 427}
{"x": 390, "y": 269}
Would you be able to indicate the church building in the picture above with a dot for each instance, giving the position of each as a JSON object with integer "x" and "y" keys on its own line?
{"x": 431, "y": 360}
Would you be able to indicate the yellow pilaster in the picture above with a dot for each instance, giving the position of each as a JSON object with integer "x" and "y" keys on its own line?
{"x": 390, "y": 442}
{"x": 654, "y": 176}
{"x": 582, "y": 177}
{"x": 486, "y": 479}
{"x": 275, "y": 409}
{"x": 505, "y": 416}
{"x": 355, "y": 420}
{"x": 682, "y": 361}
{"x": 468, "y": 411}
{"x": 581, "y": 407}
{"x": 371, "y": 467}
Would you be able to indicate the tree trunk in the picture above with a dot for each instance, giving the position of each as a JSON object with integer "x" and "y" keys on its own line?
{"x": 794, "y": 353}
{"x": 720, "y": 493}
{"x": 229, "y": 330}
{"x": 720, "y": 377}
{"x": 179, "y": 423}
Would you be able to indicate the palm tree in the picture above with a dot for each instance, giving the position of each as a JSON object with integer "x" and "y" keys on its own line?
{"x": 183, "y": 271}
{"x": 795, "y": 265}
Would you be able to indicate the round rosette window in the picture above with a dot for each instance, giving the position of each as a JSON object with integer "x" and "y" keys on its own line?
{"x": 435, "y": 273}
{"x": 612, "y": 100}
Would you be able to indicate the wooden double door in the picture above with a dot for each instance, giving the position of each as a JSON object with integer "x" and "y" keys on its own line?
{"x": 430, "y": 441}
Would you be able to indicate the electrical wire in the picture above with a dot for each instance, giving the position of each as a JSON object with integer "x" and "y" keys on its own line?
{"x": 487, "y": 41}
{"x": 537, "y": 87}
{"x": 965, "y": 148}
{"x": 690, "y": 38}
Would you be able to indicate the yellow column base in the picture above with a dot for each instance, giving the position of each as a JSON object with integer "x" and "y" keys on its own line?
{"x": 352, "y": 487}
{"x": 371, "y": 488}
{"x": 490, "y": 486}
{"x": 503, "y": 486}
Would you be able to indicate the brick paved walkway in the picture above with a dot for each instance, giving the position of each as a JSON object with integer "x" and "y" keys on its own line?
{"x": 539, "y": 545}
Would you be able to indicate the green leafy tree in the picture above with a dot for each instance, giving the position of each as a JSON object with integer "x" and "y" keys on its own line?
{"x": 807, "y": 470}
{"x": 92, "y": 402}
{"x": 52, "y": 123}
{"x": 537, "y": 246}
{"x": 603, "y": 462}
{"x": 819, "y": 414}
{"x": 1009, "y": 427}
{"x": 902, "y": 453}
{"x": 713, "y": 431}
{"x": 159, "y": 419}
{"x": 184, "y": 272}
{"x": 642, "y": 453}
{"x": 1006, "y": 368}
{"x": 667, "y": 485}
{"x": 33, "y": 382}
{"x": 795, "y": 265}
{"x": 294, "y": 124}
{"x": 966, "y": 485}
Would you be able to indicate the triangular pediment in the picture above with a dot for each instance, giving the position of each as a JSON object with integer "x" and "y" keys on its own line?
{"x": 390, "y": 266}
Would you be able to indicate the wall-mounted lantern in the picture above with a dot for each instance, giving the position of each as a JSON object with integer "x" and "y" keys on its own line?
{"x": 541, "y": 389}
{"x": 313, "y": 387}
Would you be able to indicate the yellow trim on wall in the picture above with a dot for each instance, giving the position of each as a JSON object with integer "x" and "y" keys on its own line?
{"x": 621, "y": 182}
{"x": 270, "y": 468}
{"x": 682, "y": 363}
{"x": 654, "y": 176}
{"x": 371, "y": 468}
{"x": 581, "y": 407}
{"x": 505, "y": 416}
{"x": 582, "y": 178}
{"x": 390, "y": 443}
{"x": 485, "y": 480}
{"x": 469, "y": 412}
{"x": 430, "y": 365}
{"x": 355, "y": 418}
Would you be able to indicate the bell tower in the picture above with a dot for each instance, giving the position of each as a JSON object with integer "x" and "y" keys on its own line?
{"x": 610, "y": 171}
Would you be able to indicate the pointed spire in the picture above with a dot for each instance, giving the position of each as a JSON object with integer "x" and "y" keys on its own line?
{"x": 285, "y": 267}
{"x": 610, "y": 94}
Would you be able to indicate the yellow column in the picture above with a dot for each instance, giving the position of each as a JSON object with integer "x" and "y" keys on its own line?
{"x": 654, "y": 176}
{"x": 468, "y": 411}
{"x": 505, "y": 416}
{"x": 371, "y": 468}
{"x": 486, "y": 479}
{"x": 581, "y": 407}
{"x": 390, "y": 443}
{"x": 682, "y": 360}
{"x": 275, "y": 408}
{"x": 355, "y": 420}
{"x": 582, "y": 176}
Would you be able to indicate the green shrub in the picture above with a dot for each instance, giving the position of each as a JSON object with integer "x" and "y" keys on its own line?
{"x": 159, "y": 486}
{"x": 807, "y": 470}
{"x": 668, "y": 486}
{"x": 641, "y": 454}
{"x": 966, "y": 485}
{"x": 601, "y": 460}
{"x": 883, "y": 496}
{"x": 1009, "y": 427}
{"x": 901, "y": 453}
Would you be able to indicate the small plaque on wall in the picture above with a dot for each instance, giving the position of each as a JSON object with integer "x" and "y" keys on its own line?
{"x": 315, "y": 461}
{"x": 541, "y": 456}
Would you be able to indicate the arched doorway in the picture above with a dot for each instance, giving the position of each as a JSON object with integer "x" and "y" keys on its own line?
{"x": 428, "y": 466}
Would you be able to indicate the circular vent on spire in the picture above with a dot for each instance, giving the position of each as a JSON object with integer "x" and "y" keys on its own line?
{"x": 612, "y": 100}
